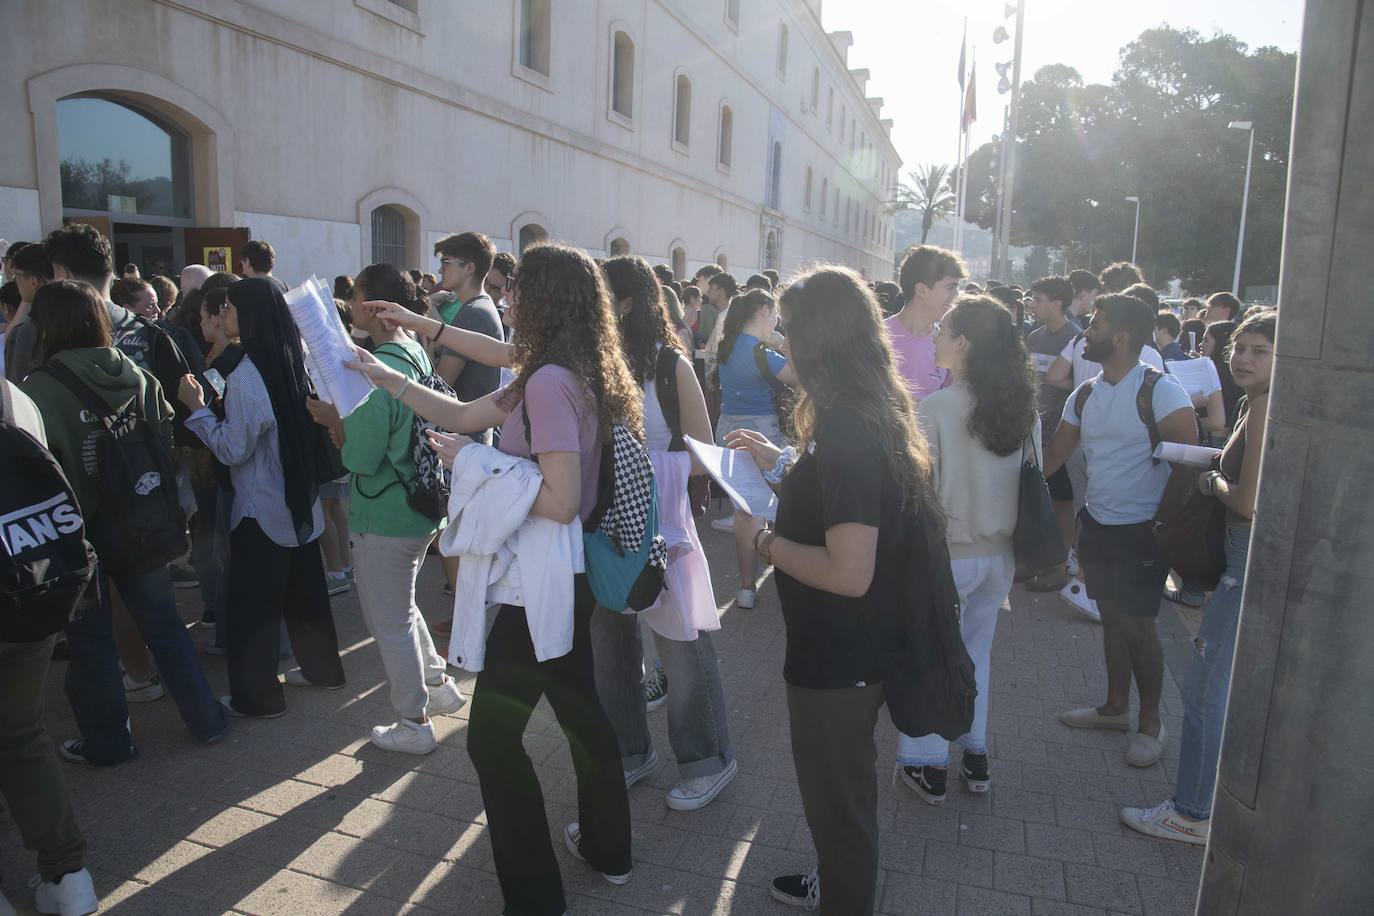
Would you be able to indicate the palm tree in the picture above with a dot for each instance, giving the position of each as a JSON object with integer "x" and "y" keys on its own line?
{"x": 931, "y": 192}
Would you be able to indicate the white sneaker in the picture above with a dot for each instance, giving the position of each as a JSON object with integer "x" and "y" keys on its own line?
{"x": 295, "y": 677}
{"x": 71, "y": 895}
{"x": 700, "y": 791}
{"x": 445, "y": 698}
{"x": 1164, "y": 821}
{"x": 745, "y": 599}
{"x": 337, "y": 583}
{"x": 724, "y": 524}
{"x": 572, "y": 835}
{"x": 1075, "y": 595}
{"x": 645, "y": 769}
{"x": 1071, "y": 565}
{"x": 405, "y": 737}
{"x": 142, "y": 691}
{"x": 1144, "y": 750}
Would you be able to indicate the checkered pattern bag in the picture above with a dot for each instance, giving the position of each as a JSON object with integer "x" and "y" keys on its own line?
{"x": 634, "y": 495}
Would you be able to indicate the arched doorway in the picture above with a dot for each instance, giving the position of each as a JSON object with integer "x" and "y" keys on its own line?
{"x": 389, "y": 237}
{"x": 679, "y": 263}
{"x": 532, "y": 233}
{"x": 127, "y": 171}
{"x": 770, "y": 251}
{"x": 618, "y": 247}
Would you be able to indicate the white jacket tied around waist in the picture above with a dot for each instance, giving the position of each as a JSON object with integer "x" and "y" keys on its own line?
{"x": 490, "y": 529}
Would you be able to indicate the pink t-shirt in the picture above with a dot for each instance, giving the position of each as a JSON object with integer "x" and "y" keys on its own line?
{"x": 561, "y": 420}
{"x": 916, "y": 360}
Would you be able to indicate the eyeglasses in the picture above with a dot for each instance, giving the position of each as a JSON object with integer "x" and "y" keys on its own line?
{"x": 444, "y": 262}
{"x": 510, "y": 283}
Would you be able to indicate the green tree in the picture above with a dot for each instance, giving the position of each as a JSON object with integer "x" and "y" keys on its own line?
{"x": 931, "y": 193}
{"x": 1159, "y": 132}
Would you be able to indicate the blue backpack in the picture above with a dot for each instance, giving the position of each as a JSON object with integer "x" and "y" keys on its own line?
{"x": 625, "y": 556}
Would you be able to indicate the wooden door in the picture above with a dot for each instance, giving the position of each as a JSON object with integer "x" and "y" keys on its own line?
{"x": 218, "y": 249}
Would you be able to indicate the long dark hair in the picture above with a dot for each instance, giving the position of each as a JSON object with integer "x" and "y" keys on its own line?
{"x": 564, "y": 313}
{"x": 844, "y": 361}
{"x": 998, "y": 369}
{"x": 742, "y": 310}
{"x": 67, "y": 315}
{"x": 270, "y": 339}
{"x": 387, "y": 283}
{"x": 645, "y": 324}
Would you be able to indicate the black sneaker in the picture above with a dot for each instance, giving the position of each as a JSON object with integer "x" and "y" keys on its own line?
{"x": 655, "y": 690}
{"x": 798, "y": 890}
{"x": 183, "y": 576}
{"x": 207, "y": 617}
{"x": 927, "y": 782}
{"x": 975, "y": 768}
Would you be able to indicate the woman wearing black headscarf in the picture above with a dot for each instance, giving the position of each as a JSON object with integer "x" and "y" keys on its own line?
{"x": 269, "y": 443}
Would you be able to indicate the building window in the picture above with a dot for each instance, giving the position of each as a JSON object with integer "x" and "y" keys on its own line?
{"x": 623, "y": 75}
{"x": 836, "y": 216}
{"x": 727, "y": 136}
{"x": 115, "y": 158}
{"x": 722, "y": 261}
{"x": 679, "y": 263}
{"x": 815, "y": 88}
{"x": 770, "y": 251}
{"x": 732, "y": 13}
{"x": 389, "y": 237}
{"x": 412, "y": 6}
{"x": 619, "y": 246}
{"x": 532, "y": 234}
{"x": 535, "y": 35}
{"x": 775, "y": 178}
{"x": 853, "y": 133}
{"x": 806, "y": 191}
{"x": 825, "y": 192}
{"x": 843, "y": 121}
{"x": 782, "y": 49}
{"x": 682, "y": 112}
{"x": 830, "y": 107}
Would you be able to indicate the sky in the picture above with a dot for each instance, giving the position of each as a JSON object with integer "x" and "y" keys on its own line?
{"x": 920, "y": 88}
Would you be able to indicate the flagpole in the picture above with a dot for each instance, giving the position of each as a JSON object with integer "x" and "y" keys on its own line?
{"x": 959, "y": 147}
{"x": 961, "y": 190}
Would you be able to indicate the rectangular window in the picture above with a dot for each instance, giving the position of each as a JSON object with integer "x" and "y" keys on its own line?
{"x": 535, "y": 35}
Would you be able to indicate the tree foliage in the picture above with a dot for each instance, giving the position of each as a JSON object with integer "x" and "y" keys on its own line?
{"x": 931, "y": 193}
{"x": 1159, "y": 132}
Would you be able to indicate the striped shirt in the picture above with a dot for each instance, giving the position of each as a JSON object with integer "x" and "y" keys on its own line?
{"x": 246, "y": 441}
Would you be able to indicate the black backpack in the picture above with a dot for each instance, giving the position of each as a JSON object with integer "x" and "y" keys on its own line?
{"x": 427, "y": 494}
{"x": 46, "y": 564}
{"x": 928, "y": 676}
{"x": 141, "y": 526}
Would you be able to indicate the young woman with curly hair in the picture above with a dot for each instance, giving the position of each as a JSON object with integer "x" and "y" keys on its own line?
{"x": 686, "y": 612}
{"x": 979, "y": 428}
{"x": 846, "y": 510}
{"x": 572, "y": 380}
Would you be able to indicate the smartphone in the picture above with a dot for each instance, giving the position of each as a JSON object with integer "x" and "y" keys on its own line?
{"x": 216, "y": 381}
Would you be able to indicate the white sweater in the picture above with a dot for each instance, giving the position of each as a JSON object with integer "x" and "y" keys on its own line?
{"x": 978, "y": 490}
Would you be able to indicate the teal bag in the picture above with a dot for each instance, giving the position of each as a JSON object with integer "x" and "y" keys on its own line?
{"x": 624, "y": 579}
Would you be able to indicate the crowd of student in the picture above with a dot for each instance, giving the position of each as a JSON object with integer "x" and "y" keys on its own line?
{"x": 527, "y": 381}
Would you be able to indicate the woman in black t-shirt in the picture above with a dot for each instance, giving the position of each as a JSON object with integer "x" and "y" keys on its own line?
{"x": 861, "y": 470}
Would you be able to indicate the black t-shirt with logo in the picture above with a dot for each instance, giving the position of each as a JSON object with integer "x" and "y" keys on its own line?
{"x": 843, "y": 478}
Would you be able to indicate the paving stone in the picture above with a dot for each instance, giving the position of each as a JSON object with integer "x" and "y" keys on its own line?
{"x": 1140, "y": 856}
{"x": 1063, "y": 843}
{"x": 998, "y": 833}
{"x": 910, "y": 895}
{"x": 979, "y": 901}
{"x": 959, "y": 864}
{"x": 1031, "y": 877}
{"x": 1104, "y": 887}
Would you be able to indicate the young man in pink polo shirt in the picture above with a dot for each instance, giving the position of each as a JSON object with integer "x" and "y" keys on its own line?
{"x": 930, "y": 280}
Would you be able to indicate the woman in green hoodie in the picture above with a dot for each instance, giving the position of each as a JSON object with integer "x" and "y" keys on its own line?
{"x": 72, "y": 331}
{"x": 389, "y": 537}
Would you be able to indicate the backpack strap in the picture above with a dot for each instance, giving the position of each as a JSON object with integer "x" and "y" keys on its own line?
{"x": 1081, "y": 398}
{"x": 761, "y": 351}
{"x": 86, "y": 396}
{"x": 1145, "y": 407}
{"x": 665, "y": 386}
{"x": 401, "y": 354}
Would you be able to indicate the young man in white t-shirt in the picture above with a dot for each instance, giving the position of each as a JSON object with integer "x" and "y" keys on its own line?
{"x": 1120, "y": 558}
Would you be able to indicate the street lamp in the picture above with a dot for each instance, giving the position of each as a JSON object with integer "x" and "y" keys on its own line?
{"x": 1244, "y": 200}
{"x": 1135, "y": 238}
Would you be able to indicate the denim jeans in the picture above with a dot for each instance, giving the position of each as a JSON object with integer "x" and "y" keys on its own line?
{"x": 983, "y": 584}
{"x": 1208, "y": 683}
{"x": 697, "y": 729}
{"x": 95, "y": 686}
{"x": 31, "y": 779}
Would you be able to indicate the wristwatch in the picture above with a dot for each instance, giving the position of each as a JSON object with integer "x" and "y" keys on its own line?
{"x": 1212, "y": 482}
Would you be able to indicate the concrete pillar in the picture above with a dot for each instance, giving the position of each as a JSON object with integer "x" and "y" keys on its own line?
{"x": 1293, "y": 823}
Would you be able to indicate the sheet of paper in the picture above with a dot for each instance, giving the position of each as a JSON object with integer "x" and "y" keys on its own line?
{"x": 327, "y": 347}
{"x": 1196, "y": 456}
{"x": 738, "y": 476}
{"x": 1197, "y": 376}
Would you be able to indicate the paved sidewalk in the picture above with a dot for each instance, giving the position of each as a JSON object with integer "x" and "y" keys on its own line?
{"x": 300, "y": 815}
